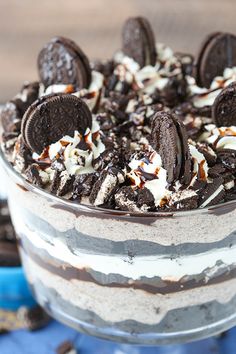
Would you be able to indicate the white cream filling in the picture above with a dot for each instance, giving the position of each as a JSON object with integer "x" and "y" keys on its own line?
{"x": 229, "y": 185}
{"x": 226, "y": 142}
{"x": 212, "y": 196}
{"x": 149, "y": 266}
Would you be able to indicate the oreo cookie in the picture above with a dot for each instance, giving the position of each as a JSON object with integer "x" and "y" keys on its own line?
{"x": 28, "y": 94}
{"x": 83, "y": 185}
{"x": 33, "y": 318}
{"x": 174, "y": 91}
{"x": 13, "y": 111}
{"x": 106, "y": 185}
{"x": 9, "y": 256}
{"x": 228, "y": 159}
{"x": 62, "y": 61}
{"x": 212, "y": 194}
{"x": 217, "y": 52}
{"x": 138, "y": 41}
{"x": 224, "y": 107}
{"x": 52, "y": 117}
{"x": 33, "y": 176}
{"x": 62, "y": 183}
{"x": 11, "y": 118}
{"x": 169, "y": 139}
{"x": 183, "y": 200}
{"x": 66, "y": 347}
{"x": 135, "y": 200}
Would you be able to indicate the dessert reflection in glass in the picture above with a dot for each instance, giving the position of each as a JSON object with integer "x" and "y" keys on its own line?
{"x": 121, "y": 187}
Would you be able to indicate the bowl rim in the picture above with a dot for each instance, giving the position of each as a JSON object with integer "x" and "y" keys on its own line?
{"x": 24, "y": 184}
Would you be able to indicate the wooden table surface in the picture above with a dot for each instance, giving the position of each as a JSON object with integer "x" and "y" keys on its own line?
{"x": 25, "y": 25}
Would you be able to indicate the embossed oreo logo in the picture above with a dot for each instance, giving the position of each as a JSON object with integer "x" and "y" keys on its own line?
{"x": 52, "y": 117}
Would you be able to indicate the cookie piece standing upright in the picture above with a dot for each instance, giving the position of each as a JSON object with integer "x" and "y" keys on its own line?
{"x": 169, "y": 139}
{"x": 106, "y": 185}
{"x": 224, "y": 107}
{"x": 138, "y": 41}
{"x": 52, "y": 117}
{"x": 62, "y": 61}
{"x": 185, "y": 169}
{"x": 217, "y": 52}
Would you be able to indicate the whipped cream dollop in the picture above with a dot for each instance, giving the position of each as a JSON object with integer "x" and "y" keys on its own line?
{"x": 220, "y": 138}
{"x": 147, "y": 172}
{"x": 148, "y": 78}
{"x": 90, "y": 96}
{"x": 76, "y": 153}
{"x": 205, "y": 97}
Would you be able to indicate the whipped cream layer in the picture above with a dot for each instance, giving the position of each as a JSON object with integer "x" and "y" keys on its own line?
{"x": 91, "y": 95}
{"x": 148, "y": 78}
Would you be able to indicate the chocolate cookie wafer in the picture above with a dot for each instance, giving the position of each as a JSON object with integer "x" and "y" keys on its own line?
{"x": 213, "y": 193}
{"x": 9, "y": 256}
{"x": 169, "y": 139}
{"x": 33, "y": 318}
{"x": 66, "y": 347}
{"x": 217, "y": 53}
{"x": 52, "y": 117}
{"x": 138, "y": 41}
{"x": 62, "y": 61}
{"x": 224, "y": 107}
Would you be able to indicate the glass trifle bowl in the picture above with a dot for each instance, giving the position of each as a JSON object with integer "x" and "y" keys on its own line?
{"x": 151, "y": 278}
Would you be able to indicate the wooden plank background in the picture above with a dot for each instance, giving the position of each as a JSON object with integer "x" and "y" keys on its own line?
{"x": 25, "y": 25}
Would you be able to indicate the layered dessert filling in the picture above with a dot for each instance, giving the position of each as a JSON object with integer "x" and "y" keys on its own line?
{"x": 159, "y": 278}
{"x": 147, "y": 130}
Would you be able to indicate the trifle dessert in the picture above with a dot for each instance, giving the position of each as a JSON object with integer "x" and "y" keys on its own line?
{"x": 122, "y": 186}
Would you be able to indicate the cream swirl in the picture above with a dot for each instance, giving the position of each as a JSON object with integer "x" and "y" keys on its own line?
{"x": 90, "y": 95}
{"x": 76, "y": 153}
{"x": 205, "y": 97}
{"x": 147, "y": 172}
{"x": 148, "y": 78}
{"x": 220, "y": 138}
